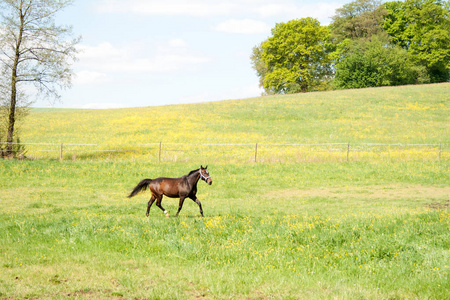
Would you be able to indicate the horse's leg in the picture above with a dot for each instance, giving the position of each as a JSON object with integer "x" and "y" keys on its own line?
{"x": 158, "y": 203}
{"x": 195, "y": 199}
{"x": 180, "y": 205}
{"x": 152, "y": 199}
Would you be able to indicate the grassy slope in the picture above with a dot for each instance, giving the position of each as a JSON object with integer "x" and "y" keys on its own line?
{"x": 410, "y": 114}
{"x": 294, "y": 230}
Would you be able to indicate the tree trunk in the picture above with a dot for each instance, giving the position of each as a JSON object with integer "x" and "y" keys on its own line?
{"x": 13, "y": 103}
{"x": 11, "y": 117}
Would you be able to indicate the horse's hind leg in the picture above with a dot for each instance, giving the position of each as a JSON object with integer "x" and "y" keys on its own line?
{"x": 195, "y": 199}
{"x": 158, "y": 203}
{"x": 152, "y": 199}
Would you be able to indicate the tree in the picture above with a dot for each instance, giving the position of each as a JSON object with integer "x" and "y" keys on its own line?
{"x": 422, "y": 27}
{"x": 376, "y": 62}
{"x": 358, "y": 19}
{"x": 295, "y": 58}
{"x": 33, "y": 50}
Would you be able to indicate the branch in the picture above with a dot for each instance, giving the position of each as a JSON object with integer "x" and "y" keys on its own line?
{"x": 7, "y": 55}
{"x": 41, "y": 16}
{"x": 32, "y": 50}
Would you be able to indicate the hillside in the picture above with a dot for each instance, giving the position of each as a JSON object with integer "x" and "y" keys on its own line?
{"x": 406, "y": 115}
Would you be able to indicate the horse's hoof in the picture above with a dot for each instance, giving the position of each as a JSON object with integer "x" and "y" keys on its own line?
{"x": 146, "y": 215}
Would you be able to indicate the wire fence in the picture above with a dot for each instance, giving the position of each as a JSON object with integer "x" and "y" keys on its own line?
{"x": 235, "y": 152}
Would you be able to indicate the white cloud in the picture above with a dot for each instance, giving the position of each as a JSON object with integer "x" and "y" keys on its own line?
{"x": 269, "y": 10}
{"x": 201, "y": 8}
{"x": 319, "y": 10}
{"x": 168, "y": 7}
{"x": 177, "y": 43}
{"x": 90, "y": 78}
{"x": 245, "y": 26}
{"x": 172, "y": 55}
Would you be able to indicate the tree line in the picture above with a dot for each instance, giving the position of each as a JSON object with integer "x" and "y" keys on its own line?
{"x": 367, "y": 44}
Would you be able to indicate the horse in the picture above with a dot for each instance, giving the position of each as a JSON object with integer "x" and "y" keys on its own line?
{"x": 182, "y": 187}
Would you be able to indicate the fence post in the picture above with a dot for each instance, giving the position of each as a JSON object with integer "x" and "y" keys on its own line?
{"x": 61, "y": 152}
{"x": 348, "y": 150}
{"x": 256, "y": 151}
{"x": 159, "y": 156}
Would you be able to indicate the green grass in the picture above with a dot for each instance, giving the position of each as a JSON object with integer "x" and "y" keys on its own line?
{"x": 296, "y": 225}
{"x": 320, "y": 230}
{"x": 389, "y": 115}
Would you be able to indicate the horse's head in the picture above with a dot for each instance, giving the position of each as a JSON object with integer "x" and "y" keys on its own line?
{"x": 204, "y": 175}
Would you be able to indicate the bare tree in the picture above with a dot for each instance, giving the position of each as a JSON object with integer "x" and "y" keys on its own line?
{"x": 33, "y": 49}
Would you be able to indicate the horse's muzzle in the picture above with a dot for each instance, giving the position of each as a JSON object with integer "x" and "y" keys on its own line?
{"x": 209, "y": 181}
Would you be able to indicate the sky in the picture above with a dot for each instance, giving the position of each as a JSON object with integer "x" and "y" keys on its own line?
{"x": 137, "y": 53}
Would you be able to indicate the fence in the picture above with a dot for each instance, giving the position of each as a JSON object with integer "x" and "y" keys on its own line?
{"x": 238, "y": 152}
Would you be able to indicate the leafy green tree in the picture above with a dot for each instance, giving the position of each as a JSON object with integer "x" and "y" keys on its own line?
{"x": 357, "y": 19}
{"x": 422, "y": 27}
{"x": 376, "y": 62}
{"x": 296, "y": 58}
{"x": 32, "y": 50}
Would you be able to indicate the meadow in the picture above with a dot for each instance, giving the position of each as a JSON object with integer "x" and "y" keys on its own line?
{"x": 321, "y": 228}
{"x": 399, "y": 115}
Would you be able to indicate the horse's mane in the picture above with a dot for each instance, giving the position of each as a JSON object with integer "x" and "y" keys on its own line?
{"x": 192, "y": 172}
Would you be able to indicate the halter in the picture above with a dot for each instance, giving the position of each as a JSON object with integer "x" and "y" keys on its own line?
{"x": 202, "y": 176}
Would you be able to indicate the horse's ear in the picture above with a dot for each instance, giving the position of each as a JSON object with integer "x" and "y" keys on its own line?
{"x": 201, "y": 167}
{"x": 206, "y": 167}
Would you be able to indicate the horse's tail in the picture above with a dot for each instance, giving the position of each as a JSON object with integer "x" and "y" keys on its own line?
{"x": 142, "y": 186}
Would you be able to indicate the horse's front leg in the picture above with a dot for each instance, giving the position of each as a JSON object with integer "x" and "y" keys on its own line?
{"x": 195, "y": 199}
{"x": 180, "y": 205}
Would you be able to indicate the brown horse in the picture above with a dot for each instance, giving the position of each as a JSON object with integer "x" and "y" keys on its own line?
{"x": 182, "y": 187}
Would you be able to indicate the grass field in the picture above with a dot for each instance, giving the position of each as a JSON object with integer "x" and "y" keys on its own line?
{"x": 405, "y": 115}
{"x": 364, "y": 229}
